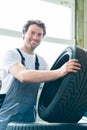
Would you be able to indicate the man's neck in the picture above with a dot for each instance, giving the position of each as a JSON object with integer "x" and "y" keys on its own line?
{"x": 29, "y": 51}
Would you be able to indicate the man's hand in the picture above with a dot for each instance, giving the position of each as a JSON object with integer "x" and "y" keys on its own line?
{"x": 72, "y": 65}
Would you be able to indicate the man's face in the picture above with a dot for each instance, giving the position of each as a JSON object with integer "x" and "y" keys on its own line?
{"x": 33, "y": 36}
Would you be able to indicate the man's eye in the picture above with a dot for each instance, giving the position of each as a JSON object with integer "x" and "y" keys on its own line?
{"x": 32, "y": 32}
{"x": 40, "y": 35}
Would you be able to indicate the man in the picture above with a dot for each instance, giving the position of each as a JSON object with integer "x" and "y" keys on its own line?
{"x": 23, "y": 71}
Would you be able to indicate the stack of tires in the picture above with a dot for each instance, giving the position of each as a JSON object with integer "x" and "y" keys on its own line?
{"x": 62, "y": 102}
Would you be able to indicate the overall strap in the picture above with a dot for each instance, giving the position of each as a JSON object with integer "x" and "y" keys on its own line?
{"x": 36, "y": 63}
{"x": 23, "y": 59}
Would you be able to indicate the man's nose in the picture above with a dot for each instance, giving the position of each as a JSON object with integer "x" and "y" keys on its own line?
{"x": 35, "y": 36}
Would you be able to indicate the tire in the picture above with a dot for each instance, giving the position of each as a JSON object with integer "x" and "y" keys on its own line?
{"x": 50, "y": 126}
{"x": 65, "y": 99}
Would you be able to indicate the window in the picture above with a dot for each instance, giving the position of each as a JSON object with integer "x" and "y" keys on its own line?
{"x": 57, "y": 17}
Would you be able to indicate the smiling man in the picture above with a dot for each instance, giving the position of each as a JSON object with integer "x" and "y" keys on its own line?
{"x": 22, "y": 73}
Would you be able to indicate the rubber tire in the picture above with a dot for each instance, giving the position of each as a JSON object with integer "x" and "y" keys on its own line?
{"x": 65, "y": 99}
{"x": 42, "y": 126}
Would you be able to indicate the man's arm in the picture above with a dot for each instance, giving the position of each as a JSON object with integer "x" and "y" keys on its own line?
{"x": 37, "y": 76}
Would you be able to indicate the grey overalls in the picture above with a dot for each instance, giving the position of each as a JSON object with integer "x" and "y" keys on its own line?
{"x": 20, "y": 102}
